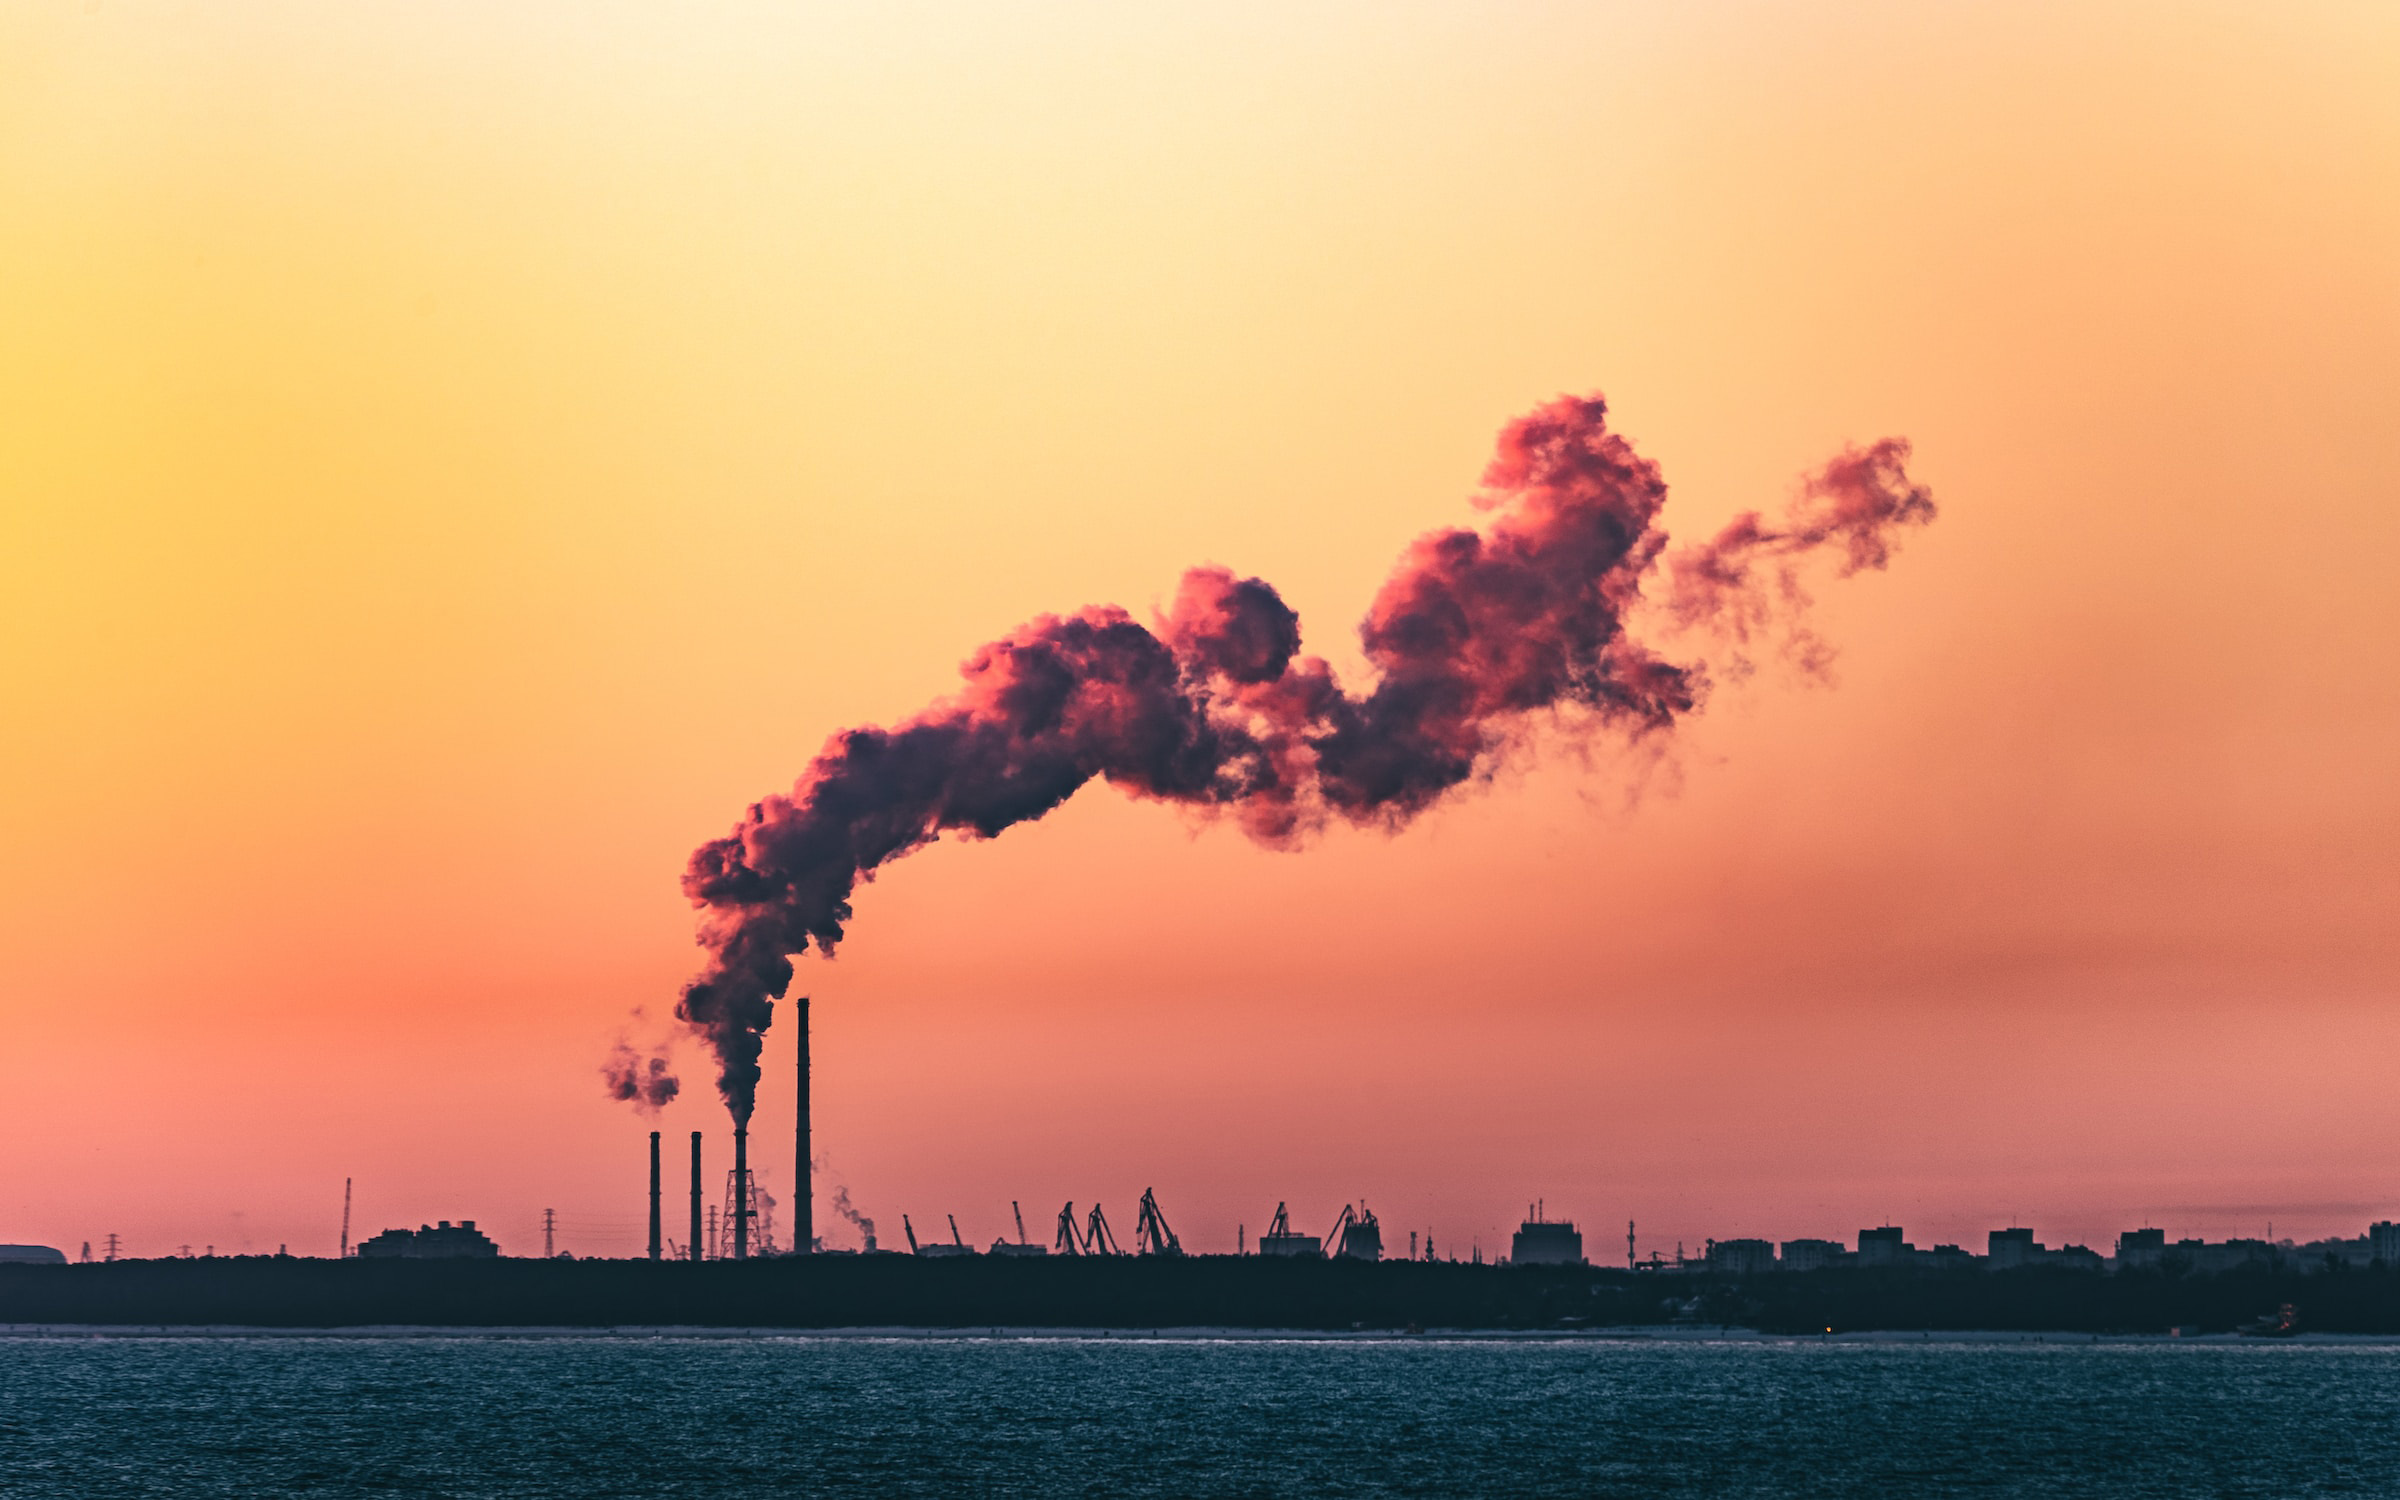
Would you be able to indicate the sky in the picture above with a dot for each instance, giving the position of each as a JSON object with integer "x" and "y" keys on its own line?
{"x": 453, "y": 461}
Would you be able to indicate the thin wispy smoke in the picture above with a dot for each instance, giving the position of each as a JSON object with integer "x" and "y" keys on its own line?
{"x": 865, "y": 1225}
{"x": 1478, "y": 636}
{"x": 1745, "y": 581}
{"x": 765, "y": 1203}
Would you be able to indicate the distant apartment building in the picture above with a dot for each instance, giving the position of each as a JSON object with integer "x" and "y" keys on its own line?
{"x": 2149, "y": 1250}
{"x": 2012, "y": 1249}
{"x": 443, "y": 1241}
{"x": 1741, "y": 1257}
{"x": 1813, "y": 1255}
{"x": 1879, "y": 1248}
{"x": 2211, "y": 1260}
{"x": 2331, "y": 1255}
{"x": 2018, "y": 1250}
{"x": 2141, "y": 1249}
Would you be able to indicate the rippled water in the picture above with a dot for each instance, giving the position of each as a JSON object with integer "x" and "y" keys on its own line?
{"x": 477, "y": 1415}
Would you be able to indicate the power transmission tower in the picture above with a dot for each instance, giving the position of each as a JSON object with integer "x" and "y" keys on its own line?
{"x": 549, "y": 1233}
{"x": 112, "y": 1248}
{"x": 741, "y": 1212}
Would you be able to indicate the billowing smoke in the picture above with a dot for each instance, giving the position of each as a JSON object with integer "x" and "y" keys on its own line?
{"x": 866, "y": 1226}
{"x": 641, "y": 1080}
{"x": 1478, "y": 637}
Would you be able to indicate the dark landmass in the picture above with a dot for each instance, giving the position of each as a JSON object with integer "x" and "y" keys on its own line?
{"x": 1200, "y": 1291}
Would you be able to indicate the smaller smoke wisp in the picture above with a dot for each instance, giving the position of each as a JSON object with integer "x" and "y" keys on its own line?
{"x": 866, "y": 1226}
{"x": 1744, "y": 582}
{"x": 765, "y": 1203}
{"x": 1478, "y": 639}
{"x": 643, "y": 1080}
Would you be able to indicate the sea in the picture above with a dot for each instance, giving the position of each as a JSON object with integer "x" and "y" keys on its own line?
{"x": 667, "y": 1413}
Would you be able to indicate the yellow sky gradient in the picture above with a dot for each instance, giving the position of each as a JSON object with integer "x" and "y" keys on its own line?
{"x": 451, "y": 463}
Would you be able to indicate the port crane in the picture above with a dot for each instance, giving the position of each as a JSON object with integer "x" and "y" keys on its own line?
{"x": 1151, "y": 1236}
{"x": 1280, "y": 1240}
{"x": 1093, "y": 1238}
{"x": 1020, "y": 1246}
{"x": 1096, "y": 1238}
{"x": 909, "y": 1230}
{"x": 954, "y": 1239}
{"x": 1333, "y": 1236}
{"x": 1356, "y": 1234}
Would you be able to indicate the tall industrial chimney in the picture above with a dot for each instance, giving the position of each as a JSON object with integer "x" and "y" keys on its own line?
{"x": 697, "y": 1242}
{"x": 654, "y": 1245}
{"x": 741, "y": 1192}
{"x": 804, "y": 1210}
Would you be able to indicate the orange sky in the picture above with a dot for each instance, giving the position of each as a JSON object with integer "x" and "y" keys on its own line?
{"x": 450, "y": 464}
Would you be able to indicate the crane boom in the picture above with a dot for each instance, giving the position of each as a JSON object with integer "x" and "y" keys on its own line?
{"x": 1333, "y": 1236}
{"x": 1096, "y": 1237}
{"x": 1151, "y": 1236}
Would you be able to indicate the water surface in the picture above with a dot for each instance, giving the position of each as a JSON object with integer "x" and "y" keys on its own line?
{"x": 483, "y": 1415}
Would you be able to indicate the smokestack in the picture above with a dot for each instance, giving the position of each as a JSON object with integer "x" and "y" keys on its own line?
{"x": 804, "y": 1216}
{"x": 696, "y": 1240}
{"x": 654, "y": 1245}
{"x": 741, "y": 1192}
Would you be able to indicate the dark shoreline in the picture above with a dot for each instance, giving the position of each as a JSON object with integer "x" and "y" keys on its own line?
{"x": 1201, "y": 1292}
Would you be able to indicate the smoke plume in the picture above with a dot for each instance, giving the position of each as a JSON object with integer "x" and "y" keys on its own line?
{"x": 1476, "y": 638}
{"x": 763, "y": 1202}
{"x": 841, "y": 1205}
{"x": 642, "y": 1081}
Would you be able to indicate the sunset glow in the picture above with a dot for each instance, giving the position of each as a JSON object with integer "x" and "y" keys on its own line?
{"x": 454, "y": 463}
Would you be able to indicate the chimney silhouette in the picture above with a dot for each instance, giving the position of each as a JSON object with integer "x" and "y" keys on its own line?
{"x": 741, "y": 1192}
{"x": 804, "y": 1211}
{"x": 654, "y": 1245}
{"x": 697, "y": 1242}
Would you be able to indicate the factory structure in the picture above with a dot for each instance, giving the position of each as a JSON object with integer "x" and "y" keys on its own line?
{"x": 739, "y": 1227}
{"x": 736, "y": 1221}
{"x": 443, "y": 1241}
{"x": 732, "y": 1219}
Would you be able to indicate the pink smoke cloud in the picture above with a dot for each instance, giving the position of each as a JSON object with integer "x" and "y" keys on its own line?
{"x": 1477, "y": 635}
